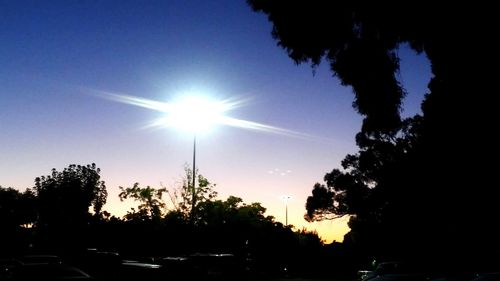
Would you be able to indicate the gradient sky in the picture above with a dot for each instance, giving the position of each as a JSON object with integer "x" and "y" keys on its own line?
{"x": 56, "y": 55}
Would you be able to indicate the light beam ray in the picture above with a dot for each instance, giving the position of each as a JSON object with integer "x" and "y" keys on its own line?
{"x": 250, "y": 125}
{"x": 136, "y": 101}
{"x": 177, "y": 113}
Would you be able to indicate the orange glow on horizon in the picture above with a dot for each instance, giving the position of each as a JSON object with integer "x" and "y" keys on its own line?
{"x": 328, "y": 231}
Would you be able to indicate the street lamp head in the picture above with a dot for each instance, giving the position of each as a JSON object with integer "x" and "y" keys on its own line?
{"x": 195, "y": 114}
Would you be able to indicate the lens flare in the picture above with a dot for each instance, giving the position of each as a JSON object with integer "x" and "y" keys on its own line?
{"x": 198, "y": 114}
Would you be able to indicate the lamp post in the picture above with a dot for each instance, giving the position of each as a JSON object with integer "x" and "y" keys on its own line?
{"x": 196, "y": 115}
{"x": 193, "y": 202}
{"x": 286, "y": 198}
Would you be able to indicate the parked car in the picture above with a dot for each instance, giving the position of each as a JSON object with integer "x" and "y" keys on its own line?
{"x": 393, "y": 270}
{"x": 134, "y": 270}
{"x": 490, "y": 276}
{"x": 101, "y": 264}
{"x": 365, "y": 274}
{"x": 41, "y": 271}
{"x": 175, "y": 267}
{"x": 38, "y": 259}
{"x": 219, "y": 266}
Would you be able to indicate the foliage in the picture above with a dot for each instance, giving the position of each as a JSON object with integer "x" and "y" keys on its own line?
{"x": 403, "y": 188}
{"x": 358, "y": 189}
{"x": 17, "y": 215}
{"x": 151, "y": 202}
{"x": 64, "y": 197}
{"x": 182, "y": 197}
{"x": 16, "y": 208}
{"x": 153, "y": 207}
{"x": 232, "y": 211}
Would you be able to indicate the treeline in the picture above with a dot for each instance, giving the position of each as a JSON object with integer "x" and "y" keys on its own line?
{"x": 62, "y": 214}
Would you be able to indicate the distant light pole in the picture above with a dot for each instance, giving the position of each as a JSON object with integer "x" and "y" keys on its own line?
{"x": 286, "y": 198}
{"x": 193, "y": 203}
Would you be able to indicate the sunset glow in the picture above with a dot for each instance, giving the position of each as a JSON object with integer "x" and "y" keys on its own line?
{"x": 111, "y": 83}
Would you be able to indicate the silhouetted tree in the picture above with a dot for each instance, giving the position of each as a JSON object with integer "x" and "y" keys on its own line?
{"x": 17, "y": 213}
{"x": 170, "y": 225}
{"x": 63, "y": 202}
{"x": 16, "y": 208}
{"x": 182, "y": 197}
{"x": 359, "y": 189}
{"x": 232, "y": 210}
{"x": 243, "y": 229}
{"x": 151, "y": 207}
{"x": 405, "y": 188}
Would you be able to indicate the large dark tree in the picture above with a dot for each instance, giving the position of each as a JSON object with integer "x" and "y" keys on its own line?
{"x": 17, "y": 214}
{"x": 66, "y": 196}
{"x": 64, "y": 199}
{"x": 419, "y": 184}
{"x": 16, "y": 208}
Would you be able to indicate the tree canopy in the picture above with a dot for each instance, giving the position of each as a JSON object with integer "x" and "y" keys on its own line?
{"x": 16, "y": 208}
{"x": 64, "y": 197}
{"x": 17, "y": 212}
{"x": 151, "y": 206}
{"x": 412, "y": 186}
{"x": 182, "y": 197}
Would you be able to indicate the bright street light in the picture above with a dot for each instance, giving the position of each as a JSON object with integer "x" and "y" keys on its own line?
{"x": 184, "y": 113}
{"x": 197, "y": 114}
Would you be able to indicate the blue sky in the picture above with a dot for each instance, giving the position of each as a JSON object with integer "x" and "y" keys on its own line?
{"x": 56, "y": 55}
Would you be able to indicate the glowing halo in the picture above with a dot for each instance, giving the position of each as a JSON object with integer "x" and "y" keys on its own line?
{"x": 195, "y": 114}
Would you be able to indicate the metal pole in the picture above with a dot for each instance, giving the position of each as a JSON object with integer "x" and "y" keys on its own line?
{"x": 193, "y": 203}
{"x": 286, "y": 212}
{"x": 286, "y": 198}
